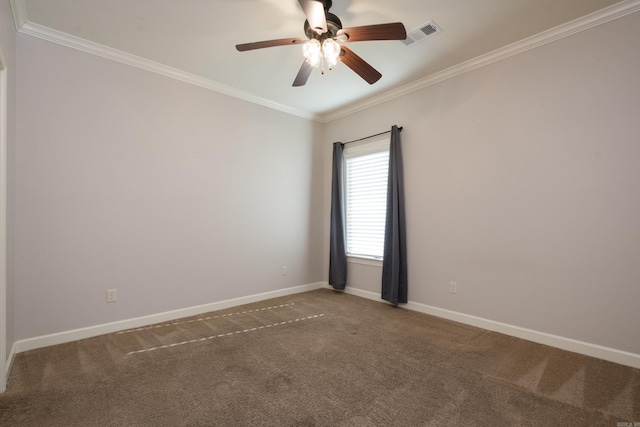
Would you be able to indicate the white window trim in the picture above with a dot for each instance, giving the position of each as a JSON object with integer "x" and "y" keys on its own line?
{"x": 359, "y": 259}
{"x": 366, "y": 147}
{"x": 356, "y": 149}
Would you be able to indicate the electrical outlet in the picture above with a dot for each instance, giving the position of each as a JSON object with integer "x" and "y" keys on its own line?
{"x": 285, "y": 270}
{"x": 453, "y": 287}
{"x": 112, "y": 295}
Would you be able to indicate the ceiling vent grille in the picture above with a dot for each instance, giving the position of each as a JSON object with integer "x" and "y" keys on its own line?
{"x": 422, "y": 32}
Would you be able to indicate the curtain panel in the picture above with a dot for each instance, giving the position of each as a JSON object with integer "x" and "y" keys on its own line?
{"x": 337, "y": 242}
{"x": 394, "y": 264}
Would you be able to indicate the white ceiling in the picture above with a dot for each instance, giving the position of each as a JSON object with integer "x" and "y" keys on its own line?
{"x": 198, "y": 38}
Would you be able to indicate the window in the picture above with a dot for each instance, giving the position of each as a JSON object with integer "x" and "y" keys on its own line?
{"x": 366, "y": 173}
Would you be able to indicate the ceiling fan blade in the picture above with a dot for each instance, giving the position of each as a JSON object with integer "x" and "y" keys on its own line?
{"x": 303, "y": 74}
{"x": 392, "y": 31}
{"x": 359, "y": 65}
{"x": 268, "y": 43}
{"x": 314, "y": 11}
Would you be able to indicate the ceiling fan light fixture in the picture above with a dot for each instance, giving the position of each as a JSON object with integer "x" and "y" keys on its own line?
{"x": 312, "y": 51}
{"x": 326, "y": 39}
{"x": 331, "y": 52}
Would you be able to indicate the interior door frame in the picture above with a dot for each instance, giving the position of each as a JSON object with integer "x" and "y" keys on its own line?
{"x": 3, "y": 224}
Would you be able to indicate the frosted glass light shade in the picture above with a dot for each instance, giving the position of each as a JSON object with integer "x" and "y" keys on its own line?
{"x": 331, "y": 51}
{"x": 312, "y": 51}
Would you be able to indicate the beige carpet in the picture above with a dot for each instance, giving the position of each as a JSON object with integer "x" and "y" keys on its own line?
{"x": 320, "y": 358}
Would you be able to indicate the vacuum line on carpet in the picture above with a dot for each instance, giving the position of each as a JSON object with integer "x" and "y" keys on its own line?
{"x": 228, "y": 334}
{"x": 182, "y": 322}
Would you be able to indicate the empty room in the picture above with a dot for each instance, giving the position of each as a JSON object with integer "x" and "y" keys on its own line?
{"x": 319, "y": 213}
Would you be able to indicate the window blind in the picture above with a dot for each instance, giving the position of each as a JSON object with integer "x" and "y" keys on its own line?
{"x": 366, "y": 200}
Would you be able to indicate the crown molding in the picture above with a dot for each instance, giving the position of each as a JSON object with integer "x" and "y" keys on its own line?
{"x": 610, "y": 13}
{"x": 25, "y": 27}
{"x": 565, "y": 30}
{"x": 19, "y": 11}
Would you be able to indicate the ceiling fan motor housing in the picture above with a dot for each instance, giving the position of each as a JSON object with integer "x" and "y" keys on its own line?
{"x": 333, "y": 25}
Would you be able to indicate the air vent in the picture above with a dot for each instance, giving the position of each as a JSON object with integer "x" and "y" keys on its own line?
{"x": 422, "y": 32}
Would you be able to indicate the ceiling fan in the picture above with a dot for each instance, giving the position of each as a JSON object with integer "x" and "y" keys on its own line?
{"x": 324, "y": 34}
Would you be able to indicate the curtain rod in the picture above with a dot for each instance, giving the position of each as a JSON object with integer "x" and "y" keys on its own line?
{"x": 371, "y": 136}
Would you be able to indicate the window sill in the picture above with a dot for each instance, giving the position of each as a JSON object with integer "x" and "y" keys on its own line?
{"x": 365, "y": 261}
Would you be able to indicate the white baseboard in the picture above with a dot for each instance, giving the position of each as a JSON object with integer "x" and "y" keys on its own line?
{"x": 7, "y": 367}
{"x": 581, "y": 347}
{"x": 107, "y": 328}
{"x": 10, "y": 357}
{"x": 588, "y": 349}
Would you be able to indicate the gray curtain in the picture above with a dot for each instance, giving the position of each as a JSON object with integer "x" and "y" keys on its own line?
{"x": 337, "y": 249}
{"x": 394, "y": 264}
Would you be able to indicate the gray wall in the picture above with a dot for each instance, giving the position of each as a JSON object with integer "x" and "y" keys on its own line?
{"x": 523, "y": 186}
{"x": 175, "y": 195}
